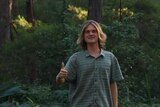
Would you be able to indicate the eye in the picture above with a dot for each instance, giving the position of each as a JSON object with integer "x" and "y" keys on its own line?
{"x": 88, "y": 31}
{"x": 94, "y": 31}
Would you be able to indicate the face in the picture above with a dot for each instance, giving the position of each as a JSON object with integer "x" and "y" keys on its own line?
{"x": 91, "y": 35}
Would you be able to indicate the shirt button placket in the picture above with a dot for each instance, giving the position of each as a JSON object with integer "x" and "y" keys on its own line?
{"x": 95, "y": 84}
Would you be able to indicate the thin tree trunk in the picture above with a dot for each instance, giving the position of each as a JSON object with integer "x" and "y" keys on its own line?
{"x": 5, "y": 20}
{"x": 15, "y": 10}
{"x": 95, "y": 10}
{"x": 29, "y": 11}
{"x": 120, "y": 7}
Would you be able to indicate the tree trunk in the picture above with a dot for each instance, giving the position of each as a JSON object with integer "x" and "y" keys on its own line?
{"x": 5, "y": 20}
{"x": 120, "y": 7}
{"x": 15, "y": 10}
{"x": 29, "y": 11}
{"x": 95, "y": 10}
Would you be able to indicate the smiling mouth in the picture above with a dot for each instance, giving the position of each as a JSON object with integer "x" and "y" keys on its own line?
{"x": 91, "y": 38}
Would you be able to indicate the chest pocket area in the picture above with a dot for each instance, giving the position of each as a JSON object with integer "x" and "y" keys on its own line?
{"x": 105, "y": 73}
{"x": 104, "y": 70}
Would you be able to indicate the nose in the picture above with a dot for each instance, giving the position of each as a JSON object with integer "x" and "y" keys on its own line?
{"x": 90, "y": 33}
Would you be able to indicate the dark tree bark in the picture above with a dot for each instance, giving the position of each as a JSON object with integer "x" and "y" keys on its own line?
{"x": 15, "y": 10}
{"x": 5, "y": 20}
{"x": 29, "y": 11}
{"x": 95, "y": 10}
{"x": 120, "y": 7}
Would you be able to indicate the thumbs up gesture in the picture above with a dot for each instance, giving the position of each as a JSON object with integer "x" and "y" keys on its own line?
{"x": 62, "y": 75}
{"x": 62, "y": 65}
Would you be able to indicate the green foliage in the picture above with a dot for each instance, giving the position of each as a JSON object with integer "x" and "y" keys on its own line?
{"x": 21, "y": 21}
{"x": 18, "y": 95}
{"x": 15, "y": 96}
{"x": 124, "y": 12}
{"x": 60, "y": 97}
{"x": 145, "y": 6}
{"x": 36, "y": 54}
{"x": 33, "y": 53}
{"x": 49, "y": 11}
{"x": 124, "y": 40}
{"x": 80, "y": 13}
{"x": 44, "y": 95}
{"x": 41, "y": 94}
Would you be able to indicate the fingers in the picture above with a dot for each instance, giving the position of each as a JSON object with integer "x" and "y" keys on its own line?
{"x": 63, "y": 73}
{"x": 62, "y": 77}
{"x": 62, "y": 65}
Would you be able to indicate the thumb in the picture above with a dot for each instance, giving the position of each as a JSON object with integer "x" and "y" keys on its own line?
{"x": 62, "y": 65}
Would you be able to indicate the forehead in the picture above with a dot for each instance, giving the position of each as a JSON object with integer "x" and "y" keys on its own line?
{"x": 90, "y": 26}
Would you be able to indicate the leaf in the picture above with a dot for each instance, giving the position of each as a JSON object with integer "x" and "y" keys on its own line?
{"x": 24, "y": 105}
{"x": 7, "y": 104}
{"x": 13, "y": 91}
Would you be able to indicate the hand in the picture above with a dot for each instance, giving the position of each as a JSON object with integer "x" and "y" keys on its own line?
{"x": 62, "y": 75}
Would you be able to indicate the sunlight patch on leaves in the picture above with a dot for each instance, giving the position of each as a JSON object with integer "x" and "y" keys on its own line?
{"x": 80, "y": 13}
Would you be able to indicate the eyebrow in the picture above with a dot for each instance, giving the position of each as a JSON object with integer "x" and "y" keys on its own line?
{"x": 94, "y": 30}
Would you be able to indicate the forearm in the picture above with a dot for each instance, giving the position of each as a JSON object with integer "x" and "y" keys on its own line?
{"x": 114, "y": 92}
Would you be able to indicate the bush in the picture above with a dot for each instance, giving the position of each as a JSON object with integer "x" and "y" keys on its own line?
{"x": 36, "y": 55}
{"x": 13, "y": 95}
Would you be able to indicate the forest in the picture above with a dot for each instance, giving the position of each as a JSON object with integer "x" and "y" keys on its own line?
{"x": 37, "y": 35}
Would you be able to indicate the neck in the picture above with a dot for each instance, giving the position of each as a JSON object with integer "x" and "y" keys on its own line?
{"x": 93, "y": 50}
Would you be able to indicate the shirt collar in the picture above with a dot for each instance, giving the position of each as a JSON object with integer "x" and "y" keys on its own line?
{"x": 101, "y": 53}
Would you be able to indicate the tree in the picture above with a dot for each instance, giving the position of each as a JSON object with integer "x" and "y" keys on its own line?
{"x": 95, "y": 10}
{"x": 5, "y": 20}
{"x": 15, "y": 8}
{"x": 29, "y": 11}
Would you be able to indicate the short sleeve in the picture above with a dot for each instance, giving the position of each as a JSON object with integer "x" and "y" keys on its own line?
{"x": 71, "y": 68}
{"x": 116, "y": 74}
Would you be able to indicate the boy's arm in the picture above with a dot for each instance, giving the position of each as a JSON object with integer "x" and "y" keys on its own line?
{"x": 114, "y": 92}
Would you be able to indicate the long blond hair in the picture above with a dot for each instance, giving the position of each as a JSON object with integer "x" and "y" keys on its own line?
{"x": 101, "y": 35}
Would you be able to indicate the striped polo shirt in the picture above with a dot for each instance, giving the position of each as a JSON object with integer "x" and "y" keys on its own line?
{"x": 90, "y": 78}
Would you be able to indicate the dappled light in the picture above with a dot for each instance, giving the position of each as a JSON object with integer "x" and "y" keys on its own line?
{"x": 124, "y": 12}
{"x": 31, "y": 53}
{"x": 79, "y": 13}
{"x": 21, "y": 21}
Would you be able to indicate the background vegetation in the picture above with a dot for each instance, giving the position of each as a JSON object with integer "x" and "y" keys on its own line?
{"x": 29, "y": 64}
